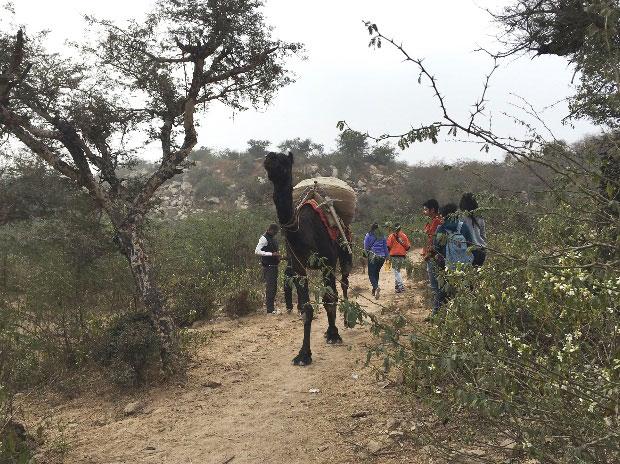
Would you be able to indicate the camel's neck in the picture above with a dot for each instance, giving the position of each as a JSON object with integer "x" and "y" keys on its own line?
{"x": 283, "y": 199}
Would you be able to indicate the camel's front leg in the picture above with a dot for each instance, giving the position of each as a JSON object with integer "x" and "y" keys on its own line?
{"x": 305, "y": 354}
{"x": 330, "y": 302}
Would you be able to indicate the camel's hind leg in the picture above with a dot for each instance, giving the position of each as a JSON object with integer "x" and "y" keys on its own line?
{"x": 346, "y": 264}
{"x": 304, "y": 357}
{"x": 330, "y": 302}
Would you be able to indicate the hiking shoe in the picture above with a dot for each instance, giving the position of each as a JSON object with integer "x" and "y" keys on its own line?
{"x": 289, "y": 310}
{"x": 373, "y": 291}
{"x": 377, "y": 292}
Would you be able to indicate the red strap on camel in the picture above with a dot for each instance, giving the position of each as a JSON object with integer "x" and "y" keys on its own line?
{"x": 332, "y": 231}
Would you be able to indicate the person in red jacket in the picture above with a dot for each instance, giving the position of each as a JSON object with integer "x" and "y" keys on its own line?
{"x": 398, "y": 244}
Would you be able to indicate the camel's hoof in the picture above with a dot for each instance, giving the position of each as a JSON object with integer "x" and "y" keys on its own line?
{"x": 333, "y": 337}
{"x": 302, "y": 359}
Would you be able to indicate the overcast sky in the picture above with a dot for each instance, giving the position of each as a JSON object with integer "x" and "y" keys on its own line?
{"x": 373, "y": 90}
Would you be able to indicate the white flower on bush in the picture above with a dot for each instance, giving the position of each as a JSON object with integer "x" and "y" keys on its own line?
{"x": 591, "y": 407}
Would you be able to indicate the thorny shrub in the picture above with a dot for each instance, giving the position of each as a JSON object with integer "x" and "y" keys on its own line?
{"x": 525, "y": 361}
{"x": 240, "y": 294}
{"x": 64, "y": 286}
{"x": 130, "y": 347}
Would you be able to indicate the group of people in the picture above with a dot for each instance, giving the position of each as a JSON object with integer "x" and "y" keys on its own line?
{"x": 454, "y": 235}
{"x": 451, "y": 238}
{"x": 378, "y": 249}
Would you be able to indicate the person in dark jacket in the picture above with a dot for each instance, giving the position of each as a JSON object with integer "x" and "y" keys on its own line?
{"x": 267, "y": 249}
{"x": 376, "y": 250}
{"x": 431, "y": 210}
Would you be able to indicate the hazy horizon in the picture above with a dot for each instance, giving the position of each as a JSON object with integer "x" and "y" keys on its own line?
{"x": 344, "y": 79}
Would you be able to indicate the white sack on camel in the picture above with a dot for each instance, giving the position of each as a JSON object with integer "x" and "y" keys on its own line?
{"x": 336, "y": 189}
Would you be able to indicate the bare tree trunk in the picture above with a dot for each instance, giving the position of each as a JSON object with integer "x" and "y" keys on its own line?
{"x": 132, "y": 246}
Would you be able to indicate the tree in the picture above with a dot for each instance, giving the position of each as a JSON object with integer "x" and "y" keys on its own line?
{"x": 587, "y": 33}
{"x": 352, "y": 144}
{"x": 89, "y": 114}
{"x": 28, "y": 190}
{"x": 302, "y": 148}
{"x": 257, "y": 148}
{"x": 382, "y": 154}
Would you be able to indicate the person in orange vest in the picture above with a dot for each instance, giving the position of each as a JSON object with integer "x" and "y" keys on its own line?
{"x": 398, "y": 244}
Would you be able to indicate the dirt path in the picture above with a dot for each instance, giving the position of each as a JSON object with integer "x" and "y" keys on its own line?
{"x": 244, "y": 402}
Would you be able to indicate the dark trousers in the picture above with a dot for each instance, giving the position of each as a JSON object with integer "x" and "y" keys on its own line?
{"x": 375, "y": 263}
{"x": 480, "y": 255}
{"x": 438, "y": 294}
{"x": 288, "y": 289}
{"x": 270, "y": 276}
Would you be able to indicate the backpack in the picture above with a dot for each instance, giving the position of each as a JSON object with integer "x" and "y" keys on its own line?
{"x": 457, "y": 248}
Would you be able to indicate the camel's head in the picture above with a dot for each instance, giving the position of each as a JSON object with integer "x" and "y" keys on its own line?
{"x": 279, "y": 167}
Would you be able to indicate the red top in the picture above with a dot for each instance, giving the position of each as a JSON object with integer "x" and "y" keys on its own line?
{"x": 430, "y": 228}
{"x": 395, "y": 246}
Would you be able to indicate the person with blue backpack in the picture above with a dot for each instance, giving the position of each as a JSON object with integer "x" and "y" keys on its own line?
{"x": 453, "y": 239}
{"x": 452, "y": 244}
{"x": 376, "y": 251}
{"x": 468, "y": 206}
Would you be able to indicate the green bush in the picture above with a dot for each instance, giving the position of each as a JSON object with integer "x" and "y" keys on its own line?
{"x": 62, "y": 279}
{"x": 129, "y": 347}
{"x": 526, "y": 358}
{"x": 203, "y": 258}
{"x": 15, "y": 444}
{"x": 241, "y": 295}
{"x": 60, "y": 276}
{"x": 15, "y": 448}
{"x": 191, "y": 297}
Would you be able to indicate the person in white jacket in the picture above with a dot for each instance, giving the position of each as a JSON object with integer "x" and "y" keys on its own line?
{"x": 268, "y": 250}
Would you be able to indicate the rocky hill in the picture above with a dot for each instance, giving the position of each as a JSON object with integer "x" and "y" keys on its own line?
{"x": 233, "y": 180}
{"x": 216, "y": 183}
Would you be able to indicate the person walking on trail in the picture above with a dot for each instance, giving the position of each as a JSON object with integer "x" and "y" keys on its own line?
{"x": 453, "y": 238}
{"x": 267, "y": 249}
{"x": 452, "y": 243}
{"x": 398, "y": 245}
{"x": 468, "y": 205}
{"x": 376, "y": 252}
{"x": 431, "y": 210}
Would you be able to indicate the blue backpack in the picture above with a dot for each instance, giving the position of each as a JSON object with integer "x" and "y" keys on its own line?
{"x": 457, "y": 248}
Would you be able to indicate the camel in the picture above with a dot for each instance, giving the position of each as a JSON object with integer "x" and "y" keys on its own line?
{"x": 305, "y": 236}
